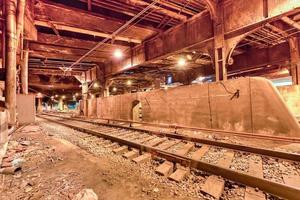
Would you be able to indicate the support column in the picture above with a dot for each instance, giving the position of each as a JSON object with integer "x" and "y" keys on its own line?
{"x": 11, "y": 55}
{"x": 24, "y": 72}
{"x": 40, "y": 105}
{"x": 219, "y": 45}
{"x": 85, "y": 90}
{"x": 157, "y": 83}
{"x": 295, "y": 60}
{"x": 61, "y": 104}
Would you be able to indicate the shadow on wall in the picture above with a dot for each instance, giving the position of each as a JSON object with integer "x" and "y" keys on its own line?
{"x": 247, "y": 104}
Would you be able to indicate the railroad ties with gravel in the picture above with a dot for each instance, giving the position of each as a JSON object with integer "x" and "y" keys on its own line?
{"x": 248, "y": 174}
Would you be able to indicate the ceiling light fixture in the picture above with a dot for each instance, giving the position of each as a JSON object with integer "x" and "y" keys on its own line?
{"x": 181, "y": 62}
{"x": 118, "y": 53}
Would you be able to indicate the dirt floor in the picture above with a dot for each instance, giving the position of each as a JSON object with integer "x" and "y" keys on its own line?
{"x": 53, "y": 168}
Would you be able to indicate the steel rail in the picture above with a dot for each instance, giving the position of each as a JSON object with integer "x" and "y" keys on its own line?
{"x": 238, "y": 147}
{"x": 237, "y": 133}
{"x": 271, "y": 187}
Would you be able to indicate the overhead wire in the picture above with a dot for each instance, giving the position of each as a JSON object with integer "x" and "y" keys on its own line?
{"x": 114, "y": 34}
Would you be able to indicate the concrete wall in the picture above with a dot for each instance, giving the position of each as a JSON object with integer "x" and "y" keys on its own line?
{"x": 26, "y": 108}
{"x": 258, "y": 107}
{"x": 291, "y": 95}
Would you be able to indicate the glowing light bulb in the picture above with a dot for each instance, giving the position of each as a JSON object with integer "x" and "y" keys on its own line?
{"x": 118, "y": 53}
{"x": 181, "y": 62}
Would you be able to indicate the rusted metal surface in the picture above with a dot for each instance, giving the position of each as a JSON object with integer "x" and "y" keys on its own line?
{"x": 274, "y": 188}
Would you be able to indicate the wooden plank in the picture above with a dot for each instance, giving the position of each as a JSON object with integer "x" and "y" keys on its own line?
{"x": 213, "y": 186}
{"x": 146, "y": 157}
{"x": 226, "y": 159}
{"x": 255, "y": 169}
{"x": 165, "y": 169}
{"x": 197, "y": 155}
{"x": 168, "y": 144}
{"x": 156, "y": 142}
{"x": 185, "y": 149}
{"x": 252, "y": 194}
{"x": 180, "y": 173}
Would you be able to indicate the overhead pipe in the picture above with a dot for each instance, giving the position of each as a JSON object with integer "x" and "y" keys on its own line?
{"x": 11, "y": 57}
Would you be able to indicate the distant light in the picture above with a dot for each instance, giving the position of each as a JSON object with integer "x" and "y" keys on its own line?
{"x": 63, "y": 97}
{"x": 115, "y": 89}
{"x": 76, "y": 94}
{"x": 118, "y": 53}
{"x": 93, "y": 96}
{"x": 181, "y": 62}
{"x": 56, "y": 95}
{"x": 201, "y": 78}
{"x": 96, "y": 85}
{"x": 129, "y": 82}
{"x": 39, "y": 95}
{"x": 189, "y": 57}
{"x": 52, "y": 97}
{"x": 194, "y": 52}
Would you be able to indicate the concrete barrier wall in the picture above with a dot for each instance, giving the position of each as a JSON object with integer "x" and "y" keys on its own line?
{"x": 291, "y": 96}
{"x": 246, "y": 104}
{"x": 3, "y": 127}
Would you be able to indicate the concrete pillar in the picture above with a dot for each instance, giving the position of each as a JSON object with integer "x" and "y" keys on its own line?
{"x": 219, "y": 45}
{"x": 11, "y": 56}
{"x": 24, "y": 72}
{"x": 157, "y": 83}
{"x": 295, "y": 60}
{"x": 40, "y": 105}
{"x": 85, "y": 104}
{"x": 61, "y": 104}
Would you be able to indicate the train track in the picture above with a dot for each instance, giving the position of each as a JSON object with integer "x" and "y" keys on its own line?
{"x": 180, "y": 154}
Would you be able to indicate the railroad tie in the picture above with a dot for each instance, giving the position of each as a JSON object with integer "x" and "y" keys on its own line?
{"x": 197, "y": 155}
{"x": 146, "y": 139}
{"x": 156, "y": 142}
{"x": 120, "y": 150}
{"x": 146, "y": 157}
{"x": 165, "y": 169}
{"x": 131, "y": 154}
{"x": 289, "y": 179}
{"x": 168, "y": 144}
{"x": 180, "y": 173}
{"x": 185, "y": 149}
{"x": 214, "y": 185}
{"x": 111, "y": 145}
{"x": 255, "y": 169}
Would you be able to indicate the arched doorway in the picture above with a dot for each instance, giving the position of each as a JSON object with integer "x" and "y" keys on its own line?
{"x": 136, "y": 111}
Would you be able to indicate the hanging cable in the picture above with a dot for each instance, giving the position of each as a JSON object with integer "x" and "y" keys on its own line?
{"x": 114, "y": 34}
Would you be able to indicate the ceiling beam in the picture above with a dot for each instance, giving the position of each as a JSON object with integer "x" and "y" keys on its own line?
{"x": 157, "y": 9}
{"x": 291, "y": 22}
{"x": 64, "y": 41}
{"x": 66, "y": 57}
{"x": 55, "y": 72}
{"x": 83, "y": 31}
{"x": 87, "y": 22}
